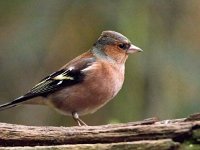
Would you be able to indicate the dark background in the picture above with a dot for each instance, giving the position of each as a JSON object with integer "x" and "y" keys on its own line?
{"x": 38, "y": 37}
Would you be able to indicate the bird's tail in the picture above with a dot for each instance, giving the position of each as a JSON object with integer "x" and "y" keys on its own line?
{"x": 14, "y": 102}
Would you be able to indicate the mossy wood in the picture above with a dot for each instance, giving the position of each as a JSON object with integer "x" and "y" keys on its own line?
{"x": 148, "y": 134}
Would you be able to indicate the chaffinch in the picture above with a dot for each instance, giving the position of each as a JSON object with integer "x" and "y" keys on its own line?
{"x": 87, "y": 82}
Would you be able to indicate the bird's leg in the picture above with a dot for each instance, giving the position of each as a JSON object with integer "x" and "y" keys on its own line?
{"x": 78, "y": 120}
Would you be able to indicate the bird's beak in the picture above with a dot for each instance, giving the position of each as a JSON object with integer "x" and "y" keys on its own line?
{"x": 134, "y": 49}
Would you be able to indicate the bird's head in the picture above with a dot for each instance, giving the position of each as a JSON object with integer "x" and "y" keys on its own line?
{"x": 115, "y": 46}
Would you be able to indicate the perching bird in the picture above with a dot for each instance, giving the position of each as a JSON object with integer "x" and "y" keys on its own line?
{"x": 87, "y": 82}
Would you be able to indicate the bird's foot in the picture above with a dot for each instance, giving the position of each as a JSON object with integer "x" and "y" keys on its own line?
{"x": 78, "y": 120}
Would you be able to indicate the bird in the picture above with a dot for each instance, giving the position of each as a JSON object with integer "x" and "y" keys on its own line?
{"x": 87, "y": 82}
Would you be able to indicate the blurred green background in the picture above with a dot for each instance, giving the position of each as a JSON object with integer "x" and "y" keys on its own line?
{"x": 38, "y": 37}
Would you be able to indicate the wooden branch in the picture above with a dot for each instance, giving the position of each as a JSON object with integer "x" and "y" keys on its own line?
{"x": 149, "y": 133}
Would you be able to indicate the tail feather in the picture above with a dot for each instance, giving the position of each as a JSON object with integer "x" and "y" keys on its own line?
{"x": 15, "y": 102}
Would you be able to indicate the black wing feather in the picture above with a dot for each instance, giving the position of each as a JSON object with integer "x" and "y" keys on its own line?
{"x": 53, "y": 83}
{"x": 50, "y": 84}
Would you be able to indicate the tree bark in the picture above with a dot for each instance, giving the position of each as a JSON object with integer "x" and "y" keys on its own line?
{"x": 146, "y": 134}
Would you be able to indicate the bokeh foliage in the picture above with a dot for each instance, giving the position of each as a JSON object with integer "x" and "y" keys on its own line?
{"x": 37, "y": 37}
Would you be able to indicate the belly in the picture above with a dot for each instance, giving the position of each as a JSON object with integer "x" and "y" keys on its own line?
{"x": 86, "y": 97}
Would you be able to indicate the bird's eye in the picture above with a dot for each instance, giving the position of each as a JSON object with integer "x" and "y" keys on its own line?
{"x": 124, "y": 46}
